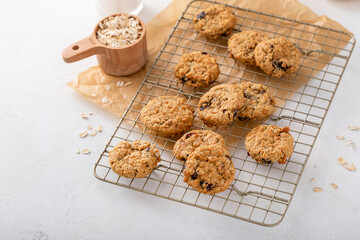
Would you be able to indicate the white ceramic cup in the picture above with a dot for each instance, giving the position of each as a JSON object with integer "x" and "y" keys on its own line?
{"x": 109, "y": 7}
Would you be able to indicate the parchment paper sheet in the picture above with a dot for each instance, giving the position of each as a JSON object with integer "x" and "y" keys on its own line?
{"x": 101, "y": 88}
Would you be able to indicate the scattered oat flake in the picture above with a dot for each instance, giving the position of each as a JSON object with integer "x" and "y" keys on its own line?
{"x": 105, "y": 100}
{"x": 124, "y": 96}
{"x": 78, "y": 151}
{"x": 312, "y": 180}
{"x": 350, "y": 166}
{"x": 120, "y": 83}
{"x": 334, "y": 186}
{"x": 100, "y": 128}
{"x": 127, "y": 84}
{"x": 350, "y": 143}
{"x": 354, "y": 128}
{"x": 107, "y": 87}
{"x": 340, "y": 137}
{"x": 86, "y": 151}
{"x": 93, "y": 95}
{"x": 341, "y": 161}
{"x": 93, "y": 133}
{"x": 149, "y": 87}
{"x": 89, "y": 127}
{"x": 84, "y": 116}
{"x": 83, "y": 134}
{"x": 91, "y": 113}
{"x": 317, "y": 189}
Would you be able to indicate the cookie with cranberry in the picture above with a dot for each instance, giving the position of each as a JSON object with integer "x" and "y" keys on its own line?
{"x": 167, "y": 115}
{"x": 214, "y": 21}
{"x": 277, "y": 57}
{"x": 268, "y": 144}
{"x": 197, "y": 69}
{"x": 221, "y": 104}
{"x": 259, "y": 101}
{"x": 134, "y": 159}
{"x": 190, "y": 141}
{"x": 242, "y": 45}
{"x": 209, "y": 169}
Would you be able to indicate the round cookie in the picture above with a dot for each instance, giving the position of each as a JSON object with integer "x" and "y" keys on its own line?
{"x": 167, "y": 115}
{"x": 134, "y": 159}
{"x": 197, "y": 69}
{"x": 277, "y": 57}
{"x": 269, "y": 144}
{"x": 259, "y": 101}
{"x": 194, "y": 139}
{"x": 241, "y": 45}
{"x": 221, "y": 104}
{"x": 214, "y": 21}
{"x": 209, "y": 169}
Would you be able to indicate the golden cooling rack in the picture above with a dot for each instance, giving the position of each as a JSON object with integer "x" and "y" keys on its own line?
{"x": 260, "y": 194}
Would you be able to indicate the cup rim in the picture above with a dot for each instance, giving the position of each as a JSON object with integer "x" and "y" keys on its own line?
{"x": 114, "y": 15}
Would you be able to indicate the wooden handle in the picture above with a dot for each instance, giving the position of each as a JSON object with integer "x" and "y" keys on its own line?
{"x": 82, "y": 49}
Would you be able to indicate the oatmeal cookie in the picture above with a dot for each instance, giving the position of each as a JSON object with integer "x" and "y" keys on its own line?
{"x": 214, "y": 21}
{"x": 241, "y": 45}
{"x": 277, "y": 57}
{"x": 194, "y": 139}
{"x": 134, "y": 159}
{"x": 197, "y": 69}
{"x": 167, "y": 115}
{"x": 209, "y": 169}
{"x": 259, "y": 101}
{"x": 221, "y": 104}
{"x": 269, "y": 144}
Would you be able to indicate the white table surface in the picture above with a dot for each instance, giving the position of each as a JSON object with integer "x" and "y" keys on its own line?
{"x": 49, "y": 192}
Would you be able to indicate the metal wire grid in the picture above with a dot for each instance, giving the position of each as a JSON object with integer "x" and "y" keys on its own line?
{"x": 260, "y": 194}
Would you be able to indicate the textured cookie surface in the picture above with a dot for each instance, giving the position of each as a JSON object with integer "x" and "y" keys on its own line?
{"x": 269, "y": 144}
{"x": 209, "y": 169}
{"x": 277, "y": 57}
{"x": 242, "y": 45}
{"x": 190, "y": 141}
{"x": 134, "y": 159}
{"x": 167, "y": 115}
{"x": 214, "y": 21}
{"x": 197, "y": 69}
{"x": 221, "y": 104}
{"x": 259, "y": 101}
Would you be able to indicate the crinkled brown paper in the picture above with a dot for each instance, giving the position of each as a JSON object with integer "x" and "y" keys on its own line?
{"x": 101, "y": 88}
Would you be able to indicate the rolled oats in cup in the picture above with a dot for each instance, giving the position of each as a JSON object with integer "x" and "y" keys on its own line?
{"x": 119, "y": 31}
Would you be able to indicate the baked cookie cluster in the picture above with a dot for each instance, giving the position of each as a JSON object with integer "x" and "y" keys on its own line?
{"x": 275, "y": 57}
{"x": 225, "y": 103}
{"x": 208, "y": 165}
